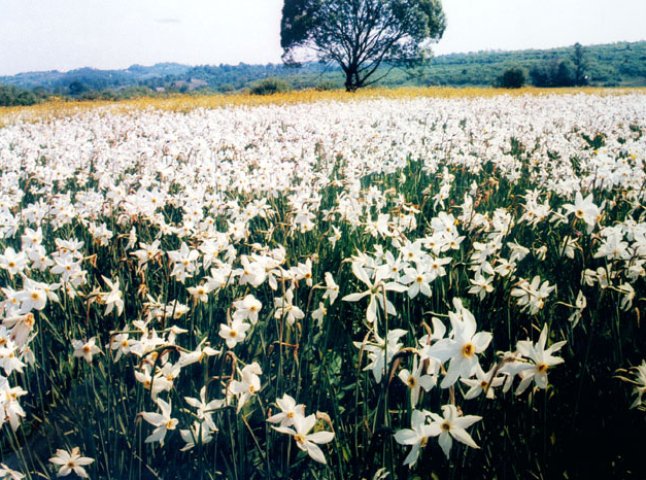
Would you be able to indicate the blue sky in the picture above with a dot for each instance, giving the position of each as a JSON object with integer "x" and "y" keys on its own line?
{"x": 67, "y": 34}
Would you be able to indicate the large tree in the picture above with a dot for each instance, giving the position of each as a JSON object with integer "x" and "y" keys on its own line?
{"x": 362, "y": 35}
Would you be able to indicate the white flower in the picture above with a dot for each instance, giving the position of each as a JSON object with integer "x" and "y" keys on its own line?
{"x": 85, "y": 350}
{"x": 198, "y": 355}
{"x": 183, "y": 262}
{"x": 481, "y": 285}
{"x": 640, "y": 386}
{"x": 584, "y": 209}
{"x": 628, "y": 295}
{"x": 285, "y": 308}
{"x": 418, "y": 280}
{"x": 146, "y": 253}
{"x": 253, "y": 273}
{"x": 532, "y": 296}
{"x": 331, "y": 288}
{"x": 200, "y": 293}
{"x": 462, "y": 350}
{"x": 248, "y": 385}
{"x": 453, "y": 426}
{"x": 234, "y": 333}
{"x": 112, "y": 299}
{"x": 198, "y": 434}
{"x": 377, "y": 289}
{"x": 121, "y": 343}
{"x": 13, "y": 262}
{"x": 308, "y": 442}
{"x": 10, "y": 405}
{"x": 417, "y": 436}
{"x": 247, "y": 309}
{"x": 9, "y": 473}
{"x": 33, "y": 296}
{"x": 161, "y": 421}
{"x": 288, "y": 411}
{"x": 69, "y": 461}
{"x": 542, "y": 360}
{"x": 205, "y": 409}
{"x": 484, "y": 381}
{"x": 579, "y": 306}
{"x": 303, "y": 271}
{"x": 381, "y": 352}
{"x": 416, "y": 380}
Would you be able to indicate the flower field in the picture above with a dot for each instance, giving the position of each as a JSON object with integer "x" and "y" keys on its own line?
{"x": 383, "y": 288}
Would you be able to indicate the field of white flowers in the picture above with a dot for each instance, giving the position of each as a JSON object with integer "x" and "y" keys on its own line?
{"x": 408, "y": 288}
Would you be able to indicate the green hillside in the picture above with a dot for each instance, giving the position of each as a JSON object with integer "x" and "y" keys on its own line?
{"x": 616, "y": 64}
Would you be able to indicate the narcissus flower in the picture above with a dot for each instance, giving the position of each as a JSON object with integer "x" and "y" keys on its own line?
{"x": 71, "y": 461}
{"x": 308, "y": 442}
{"x": 85, "y": 350}
{"x": 288, "y": 411}
{"x": 640, "y": 386}
{"x": 462, "y": 350}
{"x": 234, "y": 333}
{"x": 584, "y": 209}
{"x": 162, "y": 422}
{"x": 542, "y": 360}
{"x": 248, "y": 385}
{"x": 417, "y": 436}
{"x": 416, "y": 380}
{"x": 453, "y": 426}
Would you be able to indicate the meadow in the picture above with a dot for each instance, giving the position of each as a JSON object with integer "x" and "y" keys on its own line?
{"x": 398, "y": 284}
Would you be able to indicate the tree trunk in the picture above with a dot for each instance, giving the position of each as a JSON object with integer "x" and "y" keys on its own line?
{"x": 350, "y": 85}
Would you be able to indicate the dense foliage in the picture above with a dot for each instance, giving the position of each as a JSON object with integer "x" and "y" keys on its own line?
{"x": 11, "y": 96}
{"x": 359, "y": 36}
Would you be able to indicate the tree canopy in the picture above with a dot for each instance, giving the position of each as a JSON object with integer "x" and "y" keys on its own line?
{"x": 361, "y": 35}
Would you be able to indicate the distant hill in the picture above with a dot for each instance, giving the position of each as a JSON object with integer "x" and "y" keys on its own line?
{"x": 616, "y": 64}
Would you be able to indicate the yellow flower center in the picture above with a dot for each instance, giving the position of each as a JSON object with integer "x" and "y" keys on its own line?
{"x": 468, "y": 350}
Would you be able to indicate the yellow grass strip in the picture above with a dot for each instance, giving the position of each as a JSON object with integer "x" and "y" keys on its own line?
{"x": 181, "y": 103}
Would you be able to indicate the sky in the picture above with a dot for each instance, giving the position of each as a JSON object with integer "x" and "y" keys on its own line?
{"x": 66, "y": 34}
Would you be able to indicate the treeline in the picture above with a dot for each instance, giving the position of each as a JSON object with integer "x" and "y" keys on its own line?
{"x": 559, "y": 72}
{"x": 617, "y": 64}
{"x": 11, "y": 96}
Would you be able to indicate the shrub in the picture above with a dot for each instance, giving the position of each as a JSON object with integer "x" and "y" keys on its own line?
{"x": 269, "y": 86}
{"x": 512, "y": 78}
